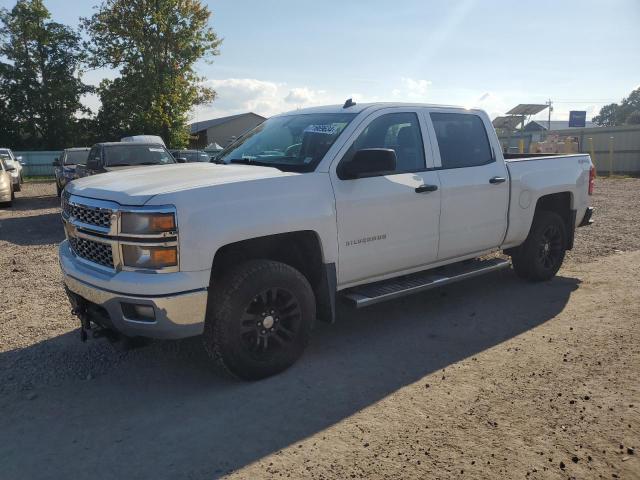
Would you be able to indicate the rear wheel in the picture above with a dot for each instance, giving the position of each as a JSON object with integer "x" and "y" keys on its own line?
{"x": 58, "y": 190}
{"x": 541, "y": 255}
{"x": 259, "y": 319}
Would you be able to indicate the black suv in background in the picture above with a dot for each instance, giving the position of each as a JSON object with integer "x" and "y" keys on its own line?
{"x": 65, "y": 167}
{"x": 183, "y": 156}
{"x": 110, "y": 156}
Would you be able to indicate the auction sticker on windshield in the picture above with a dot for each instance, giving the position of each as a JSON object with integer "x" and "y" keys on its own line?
{"x": 326, "y": 129}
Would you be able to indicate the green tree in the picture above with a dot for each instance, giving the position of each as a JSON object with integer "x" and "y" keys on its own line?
{"x": 40, "y": 78}
{"x": 633, "y": 118}
{"x": 618, "y": 114}
{"x": 154, "y": 44}
{"x": 607, "y": 116}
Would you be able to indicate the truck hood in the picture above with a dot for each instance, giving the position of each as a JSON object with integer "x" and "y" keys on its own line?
{"x": 136, "y": 186}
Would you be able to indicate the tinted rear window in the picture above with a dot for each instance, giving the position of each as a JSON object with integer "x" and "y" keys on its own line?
{"x": 76, "y": 158}
{"x": 132, "y": 154}
{"x": 462, "y": 140}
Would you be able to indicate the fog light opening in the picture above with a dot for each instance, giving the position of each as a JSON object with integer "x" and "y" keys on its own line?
{"x": 139, "y": 312}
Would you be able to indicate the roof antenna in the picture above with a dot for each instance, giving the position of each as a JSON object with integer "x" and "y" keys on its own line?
{"x": 349, "y": 103}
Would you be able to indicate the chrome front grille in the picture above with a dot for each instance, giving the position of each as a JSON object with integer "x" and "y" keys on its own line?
{"x": 96, "y": 252}
{"x": 93, "y": 230}
{"x": 100, "y": 217}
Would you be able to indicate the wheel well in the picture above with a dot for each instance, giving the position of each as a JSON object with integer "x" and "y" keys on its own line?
{"x": 560, "y": 203}
{"x": 301, "y": 250}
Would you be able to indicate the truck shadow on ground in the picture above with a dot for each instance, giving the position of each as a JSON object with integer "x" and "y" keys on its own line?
{"x": 24, "y": 202}
{"x": 43, "y": 229}
{"x": 163, "y": 413}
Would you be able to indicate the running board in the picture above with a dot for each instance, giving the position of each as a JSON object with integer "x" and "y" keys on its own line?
{"x": 372, "y": 293}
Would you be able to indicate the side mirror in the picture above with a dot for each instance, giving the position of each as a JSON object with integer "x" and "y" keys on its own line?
{"x": 56, "y": 162}
{"x": 19, "y": 158}
{"x": 181, "y": 160}
{"x": 369, "y": 162}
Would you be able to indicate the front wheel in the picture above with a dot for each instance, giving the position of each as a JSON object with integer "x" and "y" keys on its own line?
{"x": 541, "y": 255}
{"x": 259, "y": 319}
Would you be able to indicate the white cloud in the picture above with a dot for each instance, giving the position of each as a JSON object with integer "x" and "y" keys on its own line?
{"x": 301, "y": 96}
{"x": 238, "y": 95}
{"x": 411, "y": 90}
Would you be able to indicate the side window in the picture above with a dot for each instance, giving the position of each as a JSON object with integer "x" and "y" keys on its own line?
{"x": 398, "y": 131}
{"x": 462, "y": 140}
{"x": 93, "y": 160}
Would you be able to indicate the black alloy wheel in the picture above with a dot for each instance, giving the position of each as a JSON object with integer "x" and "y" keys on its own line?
{"x": 270, "y": 322}
{"x": 551, "y": 247}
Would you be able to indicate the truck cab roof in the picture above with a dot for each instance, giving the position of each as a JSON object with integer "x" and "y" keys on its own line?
{"x": 360, "y": 107}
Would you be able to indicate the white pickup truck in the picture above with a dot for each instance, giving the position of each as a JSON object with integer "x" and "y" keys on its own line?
{"x": 359, "y": 202}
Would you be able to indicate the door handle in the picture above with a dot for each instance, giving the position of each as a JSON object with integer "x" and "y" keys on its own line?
{"x": 426, "y": 188}
{"x": 495, "y": 180}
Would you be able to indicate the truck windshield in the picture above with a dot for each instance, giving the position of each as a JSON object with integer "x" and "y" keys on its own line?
{"x": 77, "y": 157}
{"x": 132, "y": 154}
{"x": 293, "y": 143}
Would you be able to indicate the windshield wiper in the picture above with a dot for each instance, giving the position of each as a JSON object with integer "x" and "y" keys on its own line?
{"x": 118, "y": 165}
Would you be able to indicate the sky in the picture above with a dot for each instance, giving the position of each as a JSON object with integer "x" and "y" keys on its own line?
{"x": 281, "y": 55}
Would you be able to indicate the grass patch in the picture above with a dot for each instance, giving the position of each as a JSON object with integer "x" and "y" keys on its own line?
{"x": 39, "y": 179}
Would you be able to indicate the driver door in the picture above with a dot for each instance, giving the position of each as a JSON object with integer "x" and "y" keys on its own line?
{"x": 387, "y": 223}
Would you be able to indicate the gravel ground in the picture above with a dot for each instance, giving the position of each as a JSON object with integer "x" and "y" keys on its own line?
{"x": 548, "y": 386}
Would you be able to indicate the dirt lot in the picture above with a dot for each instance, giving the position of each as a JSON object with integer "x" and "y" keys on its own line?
{"x": 492, "y": 378}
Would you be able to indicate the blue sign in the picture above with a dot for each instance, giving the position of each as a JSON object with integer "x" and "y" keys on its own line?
{"x": 577, "y": 118}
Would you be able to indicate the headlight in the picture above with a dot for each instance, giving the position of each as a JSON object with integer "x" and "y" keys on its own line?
{"x": 147, "y": 223}
{"x": 142, "y": 256}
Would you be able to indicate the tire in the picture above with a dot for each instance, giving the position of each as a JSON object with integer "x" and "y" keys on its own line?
{"x": 541, "y": 255}
{"x": 19, "y": 185}
{"x": 58, "y": 190}
{"x": 259, "y": 319}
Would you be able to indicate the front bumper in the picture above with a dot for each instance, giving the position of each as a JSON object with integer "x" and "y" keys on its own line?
{"x": 175, "y": 315}
{"x": 5, "y": 196}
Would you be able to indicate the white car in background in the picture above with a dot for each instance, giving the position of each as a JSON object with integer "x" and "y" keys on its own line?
{"x": 144, "y": 139}
{"x": 12, "y": 161}
{"x": 6, "y": 185}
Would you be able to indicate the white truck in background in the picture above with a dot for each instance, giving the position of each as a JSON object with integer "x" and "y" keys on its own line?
{"x": 360, "y": 202}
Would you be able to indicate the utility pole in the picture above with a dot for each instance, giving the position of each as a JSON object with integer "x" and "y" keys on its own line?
{"x": 550, "y": 104}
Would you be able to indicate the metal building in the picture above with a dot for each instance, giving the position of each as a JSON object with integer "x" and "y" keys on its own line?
{"x": 222, "y": 130}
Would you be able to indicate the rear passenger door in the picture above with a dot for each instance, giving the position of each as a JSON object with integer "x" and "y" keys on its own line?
{"x": 475, "y": 190}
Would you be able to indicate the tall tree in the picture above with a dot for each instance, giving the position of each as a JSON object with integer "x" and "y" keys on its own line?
{"x": 155, "y": 45}
{"x": 40, "y": 78}
{"x": 619, "y": 114}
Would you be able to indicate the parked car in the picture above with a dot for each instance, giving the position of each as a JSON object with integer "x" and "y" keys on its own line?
{"x": 360, "y": 202}
{"x": 106, "y": 157}
{"x": 6, "y": 184}
{"x": 16, "y": 162}
{"x": 65, "y": 166}
{"x": 186, "y": 156}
